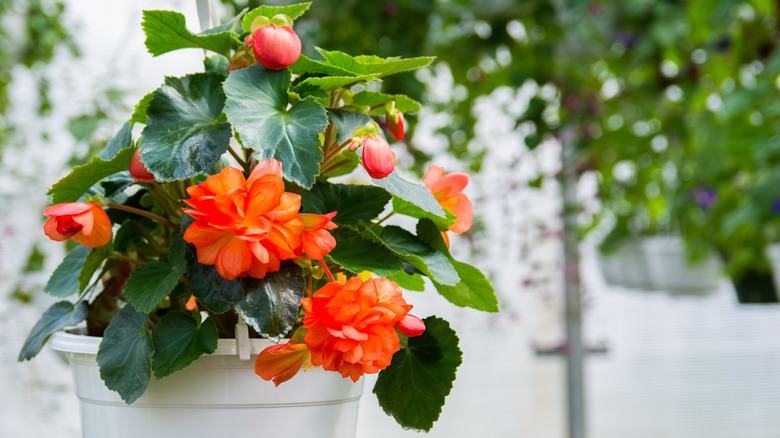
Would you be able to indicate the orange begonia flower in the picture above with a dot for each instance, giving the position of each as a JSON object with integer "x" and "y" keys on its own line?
{"x": 86, "y": 223}
{"x": 447, "y": 189}
{"x": 279, "y": 363}
{"x": 351, "y": 325}
{"x": 317, "y": 241}
{"x": 245, "y": 226}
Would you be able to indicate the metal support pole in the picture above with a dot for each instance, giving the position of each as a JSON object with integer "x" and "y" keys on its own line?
{"x": 575, "y": 352}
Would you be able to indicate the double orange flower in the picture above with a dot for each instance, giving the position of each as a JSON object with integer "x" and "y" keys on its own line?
{"x": 350, "y": 327}
{"x": 247, "y": 226}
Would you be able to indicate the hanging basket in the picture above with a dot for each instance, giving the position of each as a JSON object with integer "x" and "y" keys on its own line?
{"x": 218, "y": 395}
{"x": 670, "y": 270}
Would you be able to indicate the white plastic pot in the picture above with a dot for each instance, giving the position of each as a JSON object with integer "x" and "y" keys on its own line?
{"x": 772, "y": 252}
{"x": 218, "y": 395}
{"x": 670, "y": 270}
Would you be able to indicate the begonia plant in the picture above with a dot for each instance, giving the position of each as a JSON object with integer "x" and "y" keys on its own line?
{"x": 227, "y": 208}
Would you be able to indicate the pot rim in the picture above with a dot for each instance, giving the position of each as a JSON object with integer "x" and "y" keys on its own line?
{"x": 74, "y": 341}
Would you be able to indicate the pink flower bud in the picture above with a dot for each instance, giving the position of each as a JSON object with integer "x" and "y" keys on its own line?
{"x": 137, "y": 169}
{"x": 276, "y": 47}
{"x": 395, "y": 124}
{"x": 411, "y": 326}
{"x": 378, "y": 158}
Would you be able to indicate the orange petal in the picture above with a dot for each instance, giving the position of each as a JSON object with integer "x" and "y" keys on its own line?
{"x": 233, "y": 259}
{"x": 228, "y": 179}
{"x": 267, "y": 167}
{"x": 461, "y": 207}
{"x": 85, "y": 220}
{"x": 264, "y": 197}
{"x": 433, "y": 175}
{"x": 100, "y": 233}
{"x": 317, "y": 243}
{"x": 279, "y": 363}
{"x": 67, "y": 209}
{"x": 50, "y": 228}
{"x": 452, "y": 183}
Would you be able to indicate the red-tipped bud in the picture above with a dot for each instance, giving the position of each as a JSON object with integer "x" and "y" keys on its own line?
{"x": 276, "y": 47}
{"x": 378, "y": 158}
{"x": 411, "y": 326}
{"x": 137, "y": 169}
{"x": 395, "y": 124}
{"x": 356, "y": 143}
{"x": 249, "y": 41}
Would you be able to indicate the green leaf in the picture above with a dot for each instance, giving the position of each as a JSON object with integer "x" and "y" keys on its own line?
{"x": 292, "y": 11}
{"x": 232, "y": 25}
{"x": 328, "y": 83}
{"x": 413, "y": 282}
{"x": 94, "y": 260}
{"x": 64, "y": 280}
{"x": 414, "y": 193}
{"x": 257, "y": 105}
{"x": 184, "y": 135}
{"x": 60, "y": 315}
{"x": 166, "y": 31}
{"x": 357, "y": 253}
{"x": 413, "y": 388}
{"x": 177, "y": 250}
{"x": 179, "y": 340}
{"x": 417, "y": 253}
{"x": 271, "y": 304}
{"x": 148, "y": 285}
{"x": 213, "y": 291}
{"x": 372, "y": 98}
{"x": 123, "y": 139}
{"x": 346, "y": 122}
{"x": 139, "y": 114}
{"x": 216, "y": 64}
{"x": 125, "y": 354}
{"x": 356, "y": 204}
{"x": 473, "y": 289}
{"x": 81, "y": 178}
{"x": 373, "y": 65}
{"x": 408, "y": 209}
{"x": 306, "y": 65}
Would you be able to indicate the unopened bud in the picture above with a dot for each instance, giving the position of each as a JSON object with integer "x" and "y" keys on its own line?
{"x": 378, "y": 158}
{"x": 411, "y": 326}
{"x": 276, "y": 47}
{"x": 137, "y": 169}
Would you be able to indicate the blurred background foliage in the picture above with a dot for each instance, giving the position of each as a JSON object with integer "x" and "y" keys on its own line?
{"x": 665, "y": 100}
{"x": 672, "y": 106}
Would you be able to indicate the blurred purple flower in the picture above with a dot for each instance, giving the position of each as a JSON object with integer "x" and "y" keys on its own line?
{"x": 776, "y": 206}
{"x": 705, "y": 198}
{"x": 625, "y": 38}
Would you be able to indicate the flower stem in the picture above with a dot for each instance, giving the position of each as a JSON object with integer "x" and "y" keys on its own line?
{"x": 152, "y": 242}
{"x": 383, "y": 219}
{"x": 164, "y": 192}
{"x": 238, "y": 158}
{"x": 334, "y": 166}
{"x": 327, "y": 270}
{"x": 143, "y": 213}
{"x": 329, "y": 156}
{"x": 167, "y": 201}
{"x": 126, "y": 258}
